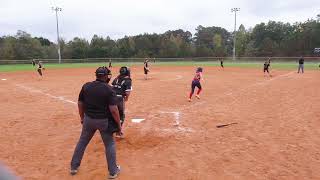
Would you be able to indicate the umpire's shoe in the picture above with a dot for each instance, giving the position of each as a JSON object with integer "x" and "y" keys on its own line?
{"x": 113, "y": 176}
{"x": 74, "y": 171}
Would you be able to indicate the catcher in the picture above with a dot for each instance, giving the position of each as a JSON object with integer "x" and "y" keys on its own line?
{"x": 122, "y": 85}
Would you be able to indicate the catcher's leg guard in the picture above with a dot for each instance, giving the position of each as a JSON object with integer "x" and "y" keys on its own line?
{"x": 121, "y": 109}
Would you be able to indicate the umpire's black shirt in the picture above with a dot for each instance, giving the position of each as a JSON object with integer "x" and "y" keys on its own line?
{"x": 96, "y": 96}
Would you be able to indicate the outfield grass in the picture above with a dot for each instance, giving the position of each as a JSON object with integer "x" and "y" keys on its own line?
{"x": 277, "y": 65}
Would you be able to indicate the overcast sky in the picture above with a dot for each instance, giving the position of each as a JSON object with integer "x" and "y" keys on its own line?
{"x": 116, "y": 18}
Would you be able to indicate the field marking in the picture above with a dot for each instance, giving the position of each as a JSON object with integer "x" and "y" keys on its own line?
{"x": 32, "y": 90}
{"x": 176, "y": 116}
{"x": 175, "y": 113}
{"x": 176, "y": 130}
{"x": 236, "y": 91}
{"x": 3, "y": 79}
{"x": 137, "y": 120}
{"x": 177, "y": 78}
{"x": 187, "y": 107}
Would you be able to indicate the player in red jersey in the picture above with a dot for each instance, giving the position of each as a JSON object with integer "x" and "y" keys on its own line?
{"x": 196, "y": 83}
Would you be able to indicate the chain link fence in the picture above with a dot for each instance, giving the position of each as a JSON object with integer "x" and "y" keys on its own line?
{"x": 139, "y": 60}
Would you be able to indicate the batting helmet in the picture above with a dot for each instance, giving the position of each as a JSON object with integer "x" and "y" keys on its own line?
{"x": 199, "y": 69}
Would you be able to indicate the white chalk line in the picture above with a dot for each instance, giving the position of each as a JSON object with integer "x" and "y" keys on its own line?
{"x": 32, "y": 90}
{"x": 176, "y": 116}
{"x": 139, "y": 120}
{"x": 174, "y": 79}
{"x": 237, "y": 91}
{"x": 176, "y": 113}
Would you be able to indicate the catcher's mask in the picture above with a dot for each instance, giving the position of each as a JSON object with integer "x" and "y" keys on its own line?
{"x": 103, "y": 71}
{"x": 199, "y": 69}
{"x": 124, "y": 71}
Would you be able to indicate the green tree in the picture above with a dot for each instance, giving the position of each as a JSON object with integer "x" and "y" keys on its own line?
{"x": 79, "y": 48}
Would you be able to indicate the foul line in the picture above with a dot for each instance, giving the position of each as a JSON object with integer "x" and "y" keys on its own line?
{"x": 177, "y": 78}
{"x": 31, "y": 90}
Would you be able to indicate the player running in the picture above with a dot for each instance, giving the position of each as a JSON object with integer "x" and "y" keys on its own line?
{"x": 196, "y": 83}
{"x": 122, "y": 85}
{"x": 146, "y": 68}
{"x": 266, "y": 67}
{"x": 40, "y": 68}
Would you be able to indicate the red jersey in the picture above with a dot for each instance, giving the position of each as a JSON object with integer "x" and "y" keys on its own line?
{"x": 197, "y": 76}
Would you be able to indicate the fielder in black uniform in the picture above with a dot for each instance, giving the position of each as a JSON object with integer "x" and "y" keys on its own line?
{"x": 33, "y": 63}
{"x": 110, "y": 63}
{"x": 122, "y": 85}
{"x": 146, "y": 68}
{"x": 221, "y": 63}
{"x": 40, "y": 68}
{"x": 266, "y": 66}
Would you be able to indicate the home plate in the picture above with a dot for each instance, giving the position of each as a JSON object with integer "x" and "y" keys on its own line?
{"x": 137, "y": 120}
{"x": 3, "y": 79}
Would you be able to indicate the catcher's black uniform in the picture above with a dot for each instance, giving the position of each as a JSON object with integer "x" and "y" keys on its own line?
{"x": 121, "y": 85}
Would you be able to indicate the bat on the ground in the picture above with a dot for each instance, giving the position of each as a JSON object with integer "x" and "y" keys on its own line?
{"x": 225, "y": 125}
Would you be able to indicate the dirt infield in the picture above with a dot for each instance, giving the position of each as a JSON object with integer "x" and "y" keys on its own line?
{"x": 276, "y": 135}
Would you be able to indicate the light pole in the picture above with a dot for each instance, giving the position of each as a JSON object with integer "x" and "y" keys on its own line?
{"x": 235, "y": 10}
{"x": 56, "y": 9}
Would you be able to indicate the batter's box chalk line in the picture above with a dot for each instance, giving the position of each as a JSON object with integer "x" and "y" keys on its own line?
{"x": 32, "y": 90}
{"x": 176, "y": 116}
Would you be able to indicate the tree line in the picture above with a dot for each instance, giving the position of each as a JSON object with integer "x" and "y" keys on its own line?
{"x": 265, "y": 39}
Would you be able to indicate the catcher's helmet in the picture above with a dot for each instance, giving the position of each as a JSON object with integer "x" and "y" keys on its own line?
{"x": 125, "y": 71}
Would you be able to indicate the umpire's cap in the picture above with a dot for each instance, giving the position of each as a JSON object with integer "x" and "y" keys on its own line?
{"x": 102, "y": 71}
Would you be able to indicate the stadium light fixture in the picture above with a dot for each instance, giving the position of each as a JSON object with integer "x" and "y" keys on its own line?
{"x": 56, "y": 9}
{"x": 235, "y": 10}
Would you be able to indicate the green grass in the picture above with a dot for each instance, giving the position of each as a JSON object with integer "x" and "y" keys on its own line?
{"x": 29, "y": 67}
{"x": 277, "y": 65}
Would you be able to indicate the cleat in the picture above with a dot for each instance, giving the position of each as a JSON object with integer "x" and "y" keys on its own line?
{"x": 197, "y": 96}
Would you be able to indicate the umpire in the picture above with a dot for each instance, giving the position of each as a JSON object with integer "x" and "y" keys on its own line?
{"x": 122, "y": 85}
{"x": 97, "y": 105}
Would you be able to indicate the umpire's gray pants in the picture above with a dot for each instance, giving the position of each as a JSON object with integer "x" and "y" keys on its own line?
{"x": 301, "y": 66}
{"x": 5, "y": 174}
{"x": 89, "y": 127}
